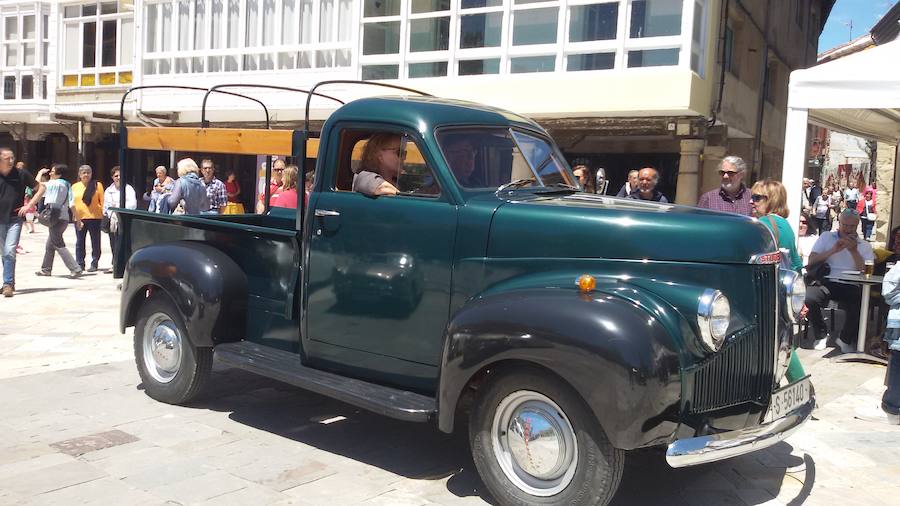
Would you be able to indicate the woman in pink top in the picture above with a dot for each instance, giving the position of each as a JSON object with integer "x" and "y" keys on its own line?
{"x": 286, "y": 195}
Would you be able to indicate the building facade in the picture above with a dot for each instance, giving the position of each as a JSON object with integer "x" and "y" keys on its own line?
{"x": 676, "y": 84}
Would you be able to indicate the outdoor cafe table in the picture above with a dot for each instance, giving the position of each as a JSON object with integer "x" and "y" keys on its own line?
{"x": 866, "y": 283}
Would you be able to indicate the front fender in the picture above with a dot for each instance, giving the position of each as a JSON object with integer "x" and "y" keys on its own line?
{"x": 613, "y": 352}
{"x": 206, "y": 286}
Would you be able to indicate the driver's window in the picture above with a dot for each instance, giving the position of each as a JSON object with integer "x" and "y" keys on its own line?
{"x": 385, "y": 164}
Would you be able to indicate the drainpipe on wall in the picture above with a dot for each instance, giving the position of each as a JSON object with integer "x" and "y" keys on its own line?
{"x": 761, "y": 105}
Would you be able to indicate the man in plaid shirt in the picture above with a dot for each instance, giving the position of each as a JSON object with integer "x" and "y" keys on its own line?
{"x": 732, "y": 196}
{"x": 215, "y": 189}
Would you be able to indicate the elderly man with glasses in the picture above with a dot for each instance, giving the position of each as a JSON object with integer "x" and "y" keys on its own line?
{"x": 732, "y": 195}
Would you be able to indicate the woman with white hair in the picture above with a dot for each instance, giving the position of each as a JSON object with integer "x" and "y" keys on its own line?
{"x": 162, "y": 185}
{"x": 88, "y": 195}
{"x": 189, "y": 188}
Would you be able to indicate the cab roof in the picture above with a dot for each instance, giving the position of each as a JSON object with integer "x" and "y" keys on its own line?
{"x": 427, "y": 113}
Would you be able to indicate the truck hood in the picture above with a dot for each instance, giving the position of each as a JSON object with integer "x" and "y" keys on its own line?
{"x": 582, "y": 225}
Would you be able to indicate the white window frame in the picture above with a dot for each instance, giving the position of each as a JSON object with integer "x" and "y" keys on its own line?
{"x": 39, "y": 69}
{"x": 258, "y": 50}
{"x": 122, "y": 70}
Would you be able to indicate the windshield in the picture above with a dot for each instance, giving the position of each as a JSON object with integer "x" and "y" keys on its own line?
{"x": 494, "y": 157}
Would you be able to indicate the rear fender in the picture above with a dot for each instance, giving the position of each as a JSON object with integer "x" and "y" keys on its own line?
{"x": 207, "y": 287}
{"x": 615, "y": 353}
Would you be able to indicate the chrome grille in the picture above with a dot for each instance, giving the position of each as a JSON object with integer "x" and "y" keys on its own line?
{"x": 744, "y": 370}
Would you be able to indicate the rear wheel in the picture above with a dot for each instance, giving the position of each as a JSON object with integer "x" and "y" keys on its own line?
{"x": 535, "y": 442}
{"x": 171, "y": 369}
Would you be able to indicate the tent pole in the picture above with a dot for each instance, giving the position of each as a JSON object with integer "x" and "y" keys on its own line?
{"x": 794, "y": 162}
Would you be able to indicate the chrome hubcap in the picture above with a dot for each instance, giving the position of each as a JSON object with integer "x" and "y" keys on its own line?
{"x": 534, "y": 443}
{"x": 162, "y": 348}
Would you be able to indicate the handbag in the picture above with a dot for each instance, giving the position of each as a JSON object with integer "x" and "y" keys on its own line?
{"x": 48, "y": 216}
{"x": 104, "y": 224}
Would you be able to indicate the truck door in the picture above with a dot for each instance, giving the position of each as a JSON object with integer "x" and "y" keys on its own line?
{"x": 379, "y": 271}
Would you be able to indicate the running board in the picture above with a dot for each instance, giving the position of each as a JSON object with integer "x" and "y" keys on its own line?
{"x": 287, "y": 367}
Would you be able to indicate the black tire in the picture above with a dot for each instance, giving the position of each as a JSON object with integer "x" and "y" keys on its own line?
{"x": 598, "y": 465}
{"x": 186, "y": 382}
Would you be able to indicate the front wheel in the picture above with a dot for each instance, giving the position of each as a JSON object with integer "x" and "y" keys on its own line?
{"x": 171, "y": 369}
{"x": 535, "y": 442}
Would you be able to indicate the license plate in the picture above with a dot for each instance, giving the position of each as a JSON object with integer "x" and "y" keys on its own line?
{"x": 787, "y": 399}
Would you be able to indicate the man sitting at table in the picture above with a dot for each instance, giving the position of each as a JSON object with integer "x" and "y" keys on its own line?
{"x": 844, "y": 251}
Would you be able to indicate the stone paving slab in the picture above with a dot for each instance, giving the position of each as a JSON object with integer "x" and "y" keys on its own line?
{"x": 66, "y": 374}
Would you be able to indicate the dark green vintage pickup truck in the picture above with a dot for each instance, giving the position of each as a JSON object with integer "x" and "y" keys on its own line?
{"x": 565, "y": 329}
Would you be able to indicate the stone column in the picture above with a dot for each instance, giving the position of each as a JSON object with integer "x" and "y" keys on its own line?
{"x": 687, "y": 192}
{"x": 712, "y": 156}
{"x": 887, "y": 201}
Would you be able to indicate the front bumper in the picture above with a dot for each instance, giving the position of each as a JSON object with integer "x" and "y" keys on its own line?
{"x": 703, "y": 449}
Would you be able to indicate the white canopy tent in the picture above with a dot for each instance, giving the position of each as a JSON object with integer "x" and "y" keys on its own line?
{"x": 858, "y": 94}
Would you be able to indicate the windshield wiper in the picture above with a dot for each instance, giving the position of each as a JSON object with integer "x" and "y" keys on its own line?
{"x": 515, "y": 184}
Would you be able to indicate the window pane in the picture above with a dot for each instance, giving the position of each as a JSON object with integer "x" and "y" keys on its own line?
{"x": 268, "y": 28}
{"x": 126, "y": 42}
{"x": 521, "y": 2}
{"x": 28, "y": 53}
{"x": 728, "y": 62}
{"x": 251, "y": 37}
{"x": 373, "y": 8}
{"x": 655, "y": 18}
{"x": 166, "y": 22}
{"x": 480, "y": 30}
{"x": 288, "y": 34}
{"x": 72, "y": 46}
{"x": 381, "y": 38}
{"x": 89, "y": 10}
{"x": 306, "y": 21}
{"x": 199, "y": 24}
{"x": 109, "y": 8}
{"x": 45, "y": 49}
{"x": 429, "y": 34}
{"x": 326, "y": 21}
{"x": 27, "y": 87}
{"x": 474, "y": 4}
{"x": 45, "y": 28}
{"x": 12, "y": 28}
{"x": 89, "y": 45}
{"x": 216, "y": 28}
{"x": 108, "y": 51}
{"x": 346, "y": 23}
{"x": 478, "y": 67}
{"x": 536, "y": 26}
{"x": 595, "y": 61}
{"x": 182, "y": 65}
{"x": 150, "y": 28}
{"x": 184, "y": 25}
{"x": 653, "y": 58}
{"x": 214, "y": 63}
{"x": 9, "y": 87}
{"x": 72, "y": 11}
{"x": 12, "y": 55}
{"x": 431, "y": 69}
{"x": 233, "y": 26}
{"x": 593, "y": 22}
{"x": 532, "y": 64}
{"x": 430, "y": 5}
{"x": 28, "y": 27}
{"x": 377, "y": 72}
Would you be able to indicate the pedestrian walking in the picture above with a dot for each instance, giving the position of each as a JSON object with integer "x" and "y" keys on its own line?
{"x": 111, "y": 199}
{"x": 821, "y": 214}
{"x": 60, "y": 198}
{"x": 13, "y": 209}
{"x": 88, "y": 195}
{"x": 867, "y": 215}
{"x": 732, "y": 195}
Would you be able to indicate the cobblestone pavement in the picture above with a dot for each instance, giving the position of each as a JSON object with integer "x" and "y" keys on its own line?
{"x": 77, "y": 429}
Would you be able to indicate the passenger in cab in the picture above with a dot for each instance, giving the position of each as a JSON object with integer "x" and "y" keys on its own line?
{"x": 189, "y": 188}
{"x": 381, "y": 161}
{"x": 286, "y": 195}
{"x": 460, "y": 153}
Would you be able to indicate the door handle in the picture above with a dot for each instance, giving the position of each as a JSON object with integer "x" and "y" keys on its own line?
{"x": 321, "y": 213}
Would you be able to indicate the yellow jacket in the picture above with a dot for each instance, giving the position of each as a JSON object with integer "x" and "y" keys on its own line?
{"x": 92, "y": 211}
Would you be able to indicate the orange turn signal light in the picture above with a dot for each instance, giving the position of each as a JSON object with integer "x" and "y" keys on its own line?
{"x": 586, "y": 283}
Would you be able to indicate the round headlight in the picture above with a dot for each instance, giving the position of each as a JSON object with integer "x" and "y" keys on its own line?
{"x": 795, "y": 292}
{"x": 713, "y": 318}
